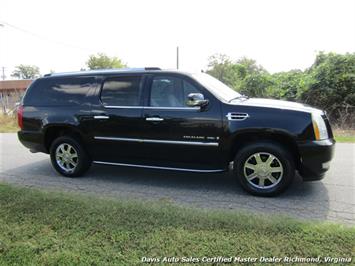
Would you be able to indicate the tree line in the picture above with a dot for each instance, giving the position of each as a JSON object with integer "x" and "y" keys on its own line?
{"x": 98, "y": 61}
{"x": 329, "y": 83}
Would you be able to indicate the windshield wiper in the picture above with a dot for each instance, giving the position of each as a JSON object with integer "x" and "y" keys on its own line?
{"x": 242, "y": 96}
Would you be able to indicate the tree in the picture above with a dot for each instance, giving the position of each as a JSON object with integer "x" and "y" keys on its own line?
{"x": 221, "y": 67}
{"x": 333, "y": 86}
{"x": 289, "y": 85}
{"x": 102, "y": 61}
{"x": 26, "y": 72}
{"x": 252, "y": 79}
{"x": 255, "y": 85}
{"x": 243, "y": 75}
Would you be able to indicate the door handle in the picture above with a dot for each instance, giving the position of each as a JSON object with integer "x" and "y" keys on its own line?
{"x": 154, "y": 119}
{"x": 101, "y": 117}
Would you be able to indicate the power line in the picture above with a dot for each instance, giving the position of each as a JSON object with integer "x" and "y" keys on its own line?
{"x": 3, "y": 23}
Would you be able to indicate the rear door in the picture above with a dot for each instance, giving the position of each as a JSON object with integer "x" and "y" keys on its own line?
{"x": 176, "y": 135}
{"x": 117, "y": 120}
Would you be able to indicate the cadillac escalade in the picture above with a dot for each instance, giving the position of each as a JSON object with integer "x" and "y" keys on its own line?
{"x": 172, "y": 120}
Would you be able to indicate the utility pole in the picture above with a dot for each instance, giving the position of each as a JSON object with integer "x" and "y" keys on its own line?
{"x": 177, "y": 57}
{"x": 3, "y": 68}
{"x": 3, "y": 73}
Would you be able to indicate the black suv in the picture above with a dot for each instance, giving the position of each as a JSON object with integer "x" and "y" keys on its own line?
{"x": 173, "y": 120}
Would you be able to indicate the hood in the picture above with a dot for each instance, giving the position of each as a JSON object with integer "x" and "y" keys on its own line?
{"x": 278, "y": 104}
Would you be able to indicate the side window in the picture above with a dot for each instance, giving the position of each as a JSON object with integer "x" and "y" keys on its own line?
{"x": 121, "y": 91}
{"x": 59, "y": 91}
{"x": 170, "y": 92}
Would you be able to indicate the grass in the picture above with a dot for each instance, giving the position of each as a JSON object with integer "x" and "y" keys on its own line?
{"x": 46, "y": 228}
{"x": 342, "y": 135}
{"x": 8, "y": 124}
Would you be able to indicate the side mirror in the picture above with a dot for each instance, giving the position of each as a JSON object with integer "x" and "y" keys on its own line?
{"x": 196, "y": 99}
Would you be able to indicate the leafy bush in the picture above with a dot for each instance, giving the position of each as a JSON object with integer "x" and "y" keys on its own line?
{"x": 333, "y": 86}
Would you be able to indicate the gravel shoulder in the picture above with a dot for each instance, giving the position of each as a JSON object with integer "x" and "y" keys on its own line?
{"x": 332, "y": 199}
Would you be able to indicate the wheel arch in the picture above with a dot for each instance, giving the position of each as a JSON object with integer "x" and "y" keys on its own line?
{"x": 284, "y": 139}
{"x": 54, "y": 131}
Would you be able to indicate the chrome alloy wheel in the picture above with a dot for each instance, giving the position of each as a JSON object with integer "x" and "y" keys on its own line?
{"x": 263, "y": 170}
{"x": 66, "y": 157}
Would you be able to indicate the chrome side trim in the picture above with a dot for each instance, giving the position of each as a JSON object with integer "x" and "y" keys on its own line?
{"x": 171, "y": 108}
{"x": 119, "y": 139}
{"x": 122, "y": 107}
{"x": 151, "y": 107}
{"x": 198, "y": 143}
{"x": 162, "y": 168}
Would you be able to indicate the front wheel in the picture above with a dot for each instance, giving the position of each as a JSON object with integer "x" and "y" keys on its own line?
{"x": 264, "y": 168}
{"x": 69, "y": 157}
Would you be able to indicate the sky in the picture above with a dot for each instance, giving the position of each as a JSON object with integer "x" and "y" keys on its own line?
{"x": 279, "y": 34}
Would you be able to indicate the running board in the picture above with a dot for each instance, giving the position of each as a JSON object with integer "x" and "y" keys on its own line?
{"x": 162, "y": 168}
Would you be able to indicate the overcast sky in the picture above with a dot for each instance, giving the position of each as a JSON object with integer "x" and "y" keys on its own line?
{"x": 280, "y": 35}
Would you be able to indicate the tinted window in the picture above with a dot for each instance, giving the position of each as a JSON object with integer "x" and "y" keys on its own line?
{"x": 170, "y": 92}
{"x": 59, "y": 91}
{"x": 121, "y": 91}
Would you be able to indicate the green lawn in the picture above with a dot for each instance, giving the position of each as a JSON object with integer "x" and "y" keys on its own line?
{"x": 344, "y": 135}
{"x": 52, "y": 228}
{"x": 350, "y": 139}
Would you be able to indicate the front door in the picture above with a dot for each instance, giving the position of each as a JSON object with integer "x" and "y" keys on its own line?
{"x": 176, "y": 135}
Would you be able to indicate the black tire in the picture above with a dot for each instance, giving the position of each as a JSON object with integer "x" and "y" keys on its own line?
{"x": 82, "y": 160}
{"x": 267, "y": 187}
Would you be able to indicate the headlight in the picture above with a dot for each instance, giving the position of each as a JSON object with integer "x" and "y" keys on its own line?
{"x": 320, "y": 129}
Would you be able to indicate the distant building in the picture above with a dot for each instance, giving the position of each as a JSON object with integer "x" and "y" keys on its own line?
{"x": 11, "y": 92}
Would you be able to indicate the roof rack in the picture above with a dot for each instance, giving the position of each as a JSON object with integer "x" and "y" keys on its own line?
{"x": 152, "y": 68}
{"x": 102, "y": 71}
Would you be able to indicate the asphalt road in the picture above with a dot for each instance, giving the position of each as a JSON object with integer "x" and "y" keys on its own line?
{"x": 331, "y": 199}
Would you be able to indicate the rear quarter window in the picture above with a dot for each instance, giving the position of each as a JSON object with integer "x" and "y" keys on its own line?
{"x": 58, "y": 91}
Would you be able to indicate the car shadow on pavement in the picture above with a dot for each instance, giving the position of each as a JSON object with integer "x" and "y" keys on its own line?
{"x": 215, "y": 190}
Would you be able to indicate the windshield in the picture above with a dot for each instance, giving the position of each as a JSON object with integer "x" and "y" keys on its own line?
{"x": 217, "y": 88}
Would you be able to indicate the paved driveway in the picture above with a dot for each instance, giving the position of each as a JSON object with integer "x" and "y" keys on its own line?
{"x": 333, "y": 198}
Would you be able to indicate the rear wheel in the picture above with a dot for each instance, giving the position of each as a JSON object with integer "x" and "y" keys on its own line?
{"x": 69, "y": 157}
{"x": 264, "y": 168}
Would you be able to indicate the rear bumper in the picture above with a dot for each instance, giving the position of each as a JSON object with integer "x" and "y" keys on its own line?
{"x": 315, "y": 158}
{"x": 32, "y": 140}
